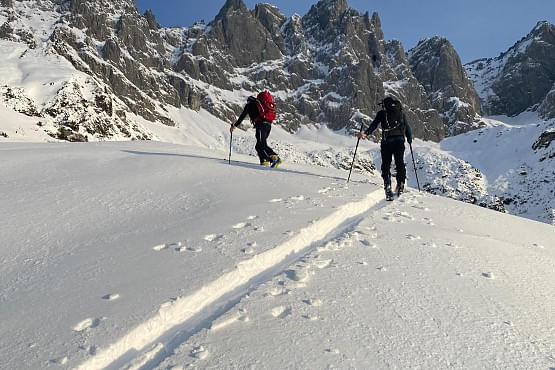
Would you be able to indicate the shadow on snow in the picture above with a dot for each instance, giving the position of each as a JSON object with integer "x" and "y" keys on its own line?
{"x": 253, "y": 166}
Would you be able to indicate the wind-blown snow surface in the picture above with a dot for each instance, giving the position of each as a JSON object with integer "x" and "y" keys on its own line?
{"x": 145, "y": 255}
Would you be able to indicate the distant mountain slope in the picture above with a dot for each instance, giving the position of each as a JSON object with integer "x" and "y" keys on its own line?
{"x": 520, "y": 79}
{"x": 323, "y": 67}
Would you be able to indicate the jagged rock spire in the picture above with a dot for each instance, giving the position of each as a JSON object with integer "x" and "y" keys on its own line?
{"x": 230, "y": 6}
{"x": 437, "y": 66}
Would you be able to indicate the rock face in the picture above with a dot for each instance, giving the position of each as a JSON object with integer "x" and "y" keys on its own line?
{"x": 547, "y": 106}
{"x": 331, "y": 66}
{"x": 323, "y": 67}
{"x": 437, "y": 66}
{"x": 521, "y": 78}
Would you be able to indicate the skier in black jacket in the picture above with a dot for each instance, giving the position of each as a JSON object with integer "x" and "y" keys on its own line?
{"x": 394, "y": 129}
{"x": 266, "y": 154}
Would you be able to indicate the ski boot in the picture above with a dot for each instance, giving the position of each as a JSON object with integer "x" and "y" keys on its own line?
{"x": 265, "y": 163}
{"x": 400, "y": 188}
{"x": 276, "y": 161}
{"x": 388, "y": 193}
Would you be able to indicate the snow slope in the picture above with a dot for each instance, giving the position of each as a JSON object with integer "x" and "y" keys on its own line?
{"x": 522, "y": 177}
{"x": 145, "y": 255}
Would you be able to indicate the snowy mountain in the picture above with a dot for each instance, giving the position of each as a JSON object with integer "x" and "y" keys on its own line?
{"x": 438, "y": 68}
{"x": 520, "y": 79}
{"x": 146, "y": 255}
{"x": 323, "y": 67}
{"x": 144, "y": 248}
{"x": 89, "y": 71}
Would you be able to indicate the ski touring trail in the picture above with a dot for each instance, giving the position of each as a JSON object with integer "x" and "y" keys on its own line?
{"x": 246, "y": 276}
{"x": 156, "y": 256}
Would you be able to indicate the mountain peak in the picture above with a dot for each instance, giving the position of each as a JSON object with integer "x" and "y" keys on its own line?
{"x": 543, "y": 29}
{"x": 339, "y": 5}
{"x": 230, "y": 6}
{"x": 326, "y": 11}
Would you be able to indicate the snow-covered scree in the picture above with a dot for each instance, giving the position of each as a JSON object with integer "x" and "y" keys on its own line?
{"x": 145, "y": 255}
{"x": 515, "y": 168}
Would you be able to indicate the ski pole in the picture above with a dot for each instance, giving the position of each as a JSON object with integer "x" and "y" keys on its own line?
{"x": 230, "y": 141}
{"x": 414, "y": 165}
{"x": 354, "y": 155}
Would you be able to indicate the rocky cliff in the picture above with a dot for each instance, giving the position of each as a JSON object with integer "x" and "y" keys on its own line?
{"x": 332, "y": 66}
{"x": 437, "y": 66}
{"x": 520, "y": 79}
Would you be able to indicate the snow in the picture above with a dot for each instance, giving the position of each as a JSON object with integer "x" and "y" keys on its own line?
{"x": 150, "y": 255}
{"x": 36, "y": 70}
{"x": 503, "y": 154}
{"x": 16, "y": 125}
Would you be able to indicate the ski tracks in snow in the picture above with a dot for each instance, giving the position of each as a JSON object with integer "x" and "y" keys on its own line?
{"x": 145, "y": 339}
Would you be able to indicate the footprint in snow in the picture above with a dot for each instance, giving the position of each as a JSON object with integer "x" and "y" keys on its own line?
{"x": 413, "y": 237}
{"x": 403, "y": 214}
{"x": 229, "y": 319}
{"x": 316, "y": 302}
{"x": 212, "y": 237}
{"x": 199, "y": 353}
{"x": 324, "y": 190}
{"x": 111, "y": 297}
{"x": 250, "y": 218}
{"x": 322, "y": 263}
{"x": 60, "y": 361}
{"x": 276, "y": 200}
{"x": 194, "y": 249}
{"x": 298, "y": 197}
{"x": 276, "y": 291}
{"x": 536, "y": 245}
{"x": 247, "y": 250}
{"x": 301, "y": 275}
{"x": 160, "y": 247}
{"x": 88, "y": 323}
{"x": 241, "y": 225}
{"x": 281, "y": 312}
{"x": 368, "y": 243}
{"x": 390, "y": 217}
{"x": 488, "y": 275}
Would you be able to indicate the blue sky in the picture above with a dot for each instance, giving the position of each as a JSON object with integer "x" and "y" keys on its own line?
{"x": 477, "y": 28}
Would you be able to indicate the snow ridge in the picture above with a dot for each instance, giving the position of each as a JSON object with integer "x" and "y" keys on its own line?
{"x": 173, "y": 315}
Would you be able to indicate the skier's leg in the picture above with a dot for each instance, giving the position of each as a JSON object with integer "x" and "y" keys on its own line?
{"x": 268, "y": 128}
{"x": 260, "y": 144}
{"x": 386, "y": 153}
{"x": 399, "y": 154}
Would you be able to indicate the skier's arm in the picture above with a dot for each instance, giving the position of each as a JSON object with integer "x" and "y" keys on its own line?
{"x": 241, "y": 117}
{"x": 373, "y": 125}
{"x": 408, "y": 130}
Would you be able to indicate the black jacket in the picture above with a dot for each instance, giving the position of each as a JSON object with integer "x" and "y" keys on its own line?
{"x": 381, "y": 119}
{"x": 251, "y": 109}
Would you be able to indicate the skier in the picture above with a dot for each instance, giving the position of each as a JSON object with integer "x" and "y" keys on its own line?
{"x": 261, "y": 111}
{"x": 394, "y": 129}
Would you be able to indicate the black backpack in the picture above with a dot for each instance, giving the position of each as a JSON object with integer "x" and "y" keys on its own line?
{"x": 394, "y": 123}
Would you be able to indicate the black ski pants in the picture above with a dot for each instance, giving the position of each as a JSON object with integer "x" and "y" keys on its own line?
{"x": 393, "y": 147}
{"x": 262, "y": 149}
